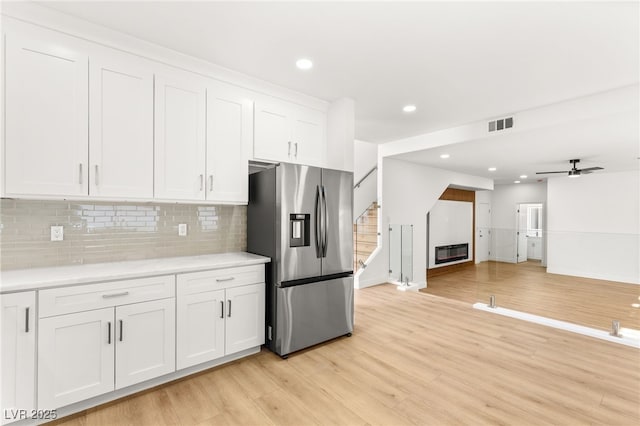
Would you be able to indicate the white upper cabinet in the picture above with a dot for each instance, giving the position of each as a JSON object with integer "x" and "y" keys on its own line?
{"x": 272, "y": 131}
{"x": 121, "y": 126}
{"x": 288, "y": 132}
{"x": 46, "y": 145}
{"x": 180, "y": 127}
{"x": 308, "y": 137}
{"x": 229, "y": 137}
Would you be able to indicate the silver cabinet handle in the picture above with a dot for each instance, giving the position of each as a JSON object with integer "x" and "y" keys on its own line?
{"x": 289, "y": 150}
{"x": 109, "y": 333}
{"x": 96, "y": 176}
{"x": 229, "y": 312}
{"x": 107, "y": 296}
{"x": 80, "y": 177}
{"x": 26, "y": 320}
{"x": 210, "y": 183}
{"x": 296, "y": 151}
{"x": 121, "y": 330}
{"x": 201, "y": 182}
{"x": 221, "y": 309}
{"x": 226, "y": 279}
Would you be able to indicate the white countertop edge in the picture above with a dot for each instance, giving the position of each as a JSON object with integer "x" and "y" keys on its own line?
{"x": 17, "y": 280}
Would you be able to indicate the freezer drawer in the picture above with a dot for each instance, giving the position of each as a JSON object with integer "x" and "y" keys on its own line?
{"x": 313, "y": 313}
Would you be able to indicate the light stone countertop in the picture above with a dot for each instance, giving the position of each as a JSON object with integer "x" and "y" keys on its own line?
{"x": 41, "y": 278}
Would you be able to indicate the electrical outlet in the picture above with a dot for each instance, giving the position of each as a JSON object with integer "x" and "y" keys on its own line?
{"x": 57, "y": 233}
{"x": 182, "y": 230}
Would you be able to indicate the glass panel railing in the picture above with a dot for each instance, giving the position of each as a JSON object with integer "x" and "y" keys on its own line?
{"x": 584, "y": 278}
{"x": 401, "y": 253}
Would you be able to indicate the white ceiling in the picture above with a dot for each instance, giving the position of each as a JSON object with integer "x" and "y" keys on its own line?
{"x": 457, "y": 62}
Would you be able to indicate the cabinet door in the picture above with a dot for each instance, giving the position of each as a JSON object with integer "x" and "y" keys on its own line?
{"x": 229, "y": 136}
{"x": 308, "y": 137}
{"x": 200, "y": 322}
{"x": 18, "y": 353}
{"x": 75, "y": 357}
{"x": 272, "y": 131}
{"x": 180, "y": 123}
{"x": 245, "y": 318}
{"x": 145, "y": 341}
{"x": 121, "y": 138}
{"x": 46, "y": 147}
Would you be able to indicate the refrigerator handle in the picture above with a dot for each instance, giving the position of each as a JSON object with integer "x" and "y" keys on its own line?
{"x": 318, "y": 225}
{"x": 325, "y": 226}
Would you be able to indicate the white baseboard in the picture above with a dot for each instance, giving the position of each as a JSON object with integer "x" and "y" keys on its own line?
{"x": 111, "y": 396}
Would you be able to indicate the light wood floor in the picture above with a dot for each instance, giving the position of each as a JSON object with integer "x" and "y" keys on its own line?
{"x": 414, "y": 359}
{"x": 529, "y": 288}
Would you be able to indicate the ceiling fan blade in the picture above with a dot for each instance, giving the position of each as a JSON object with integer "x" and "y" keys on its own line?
{"x": 590, "y": 169}
{"x": 544, "y": 173}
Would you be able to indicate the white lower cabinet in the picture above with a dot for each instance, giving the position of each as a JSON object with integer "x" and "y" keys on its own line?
{"x": 145, "y": 343}
{"x": 219, "y": 313}
{"x": 75, "y": 357}
{"x": 89, "y": 353}
{"x": 18, "y": 345}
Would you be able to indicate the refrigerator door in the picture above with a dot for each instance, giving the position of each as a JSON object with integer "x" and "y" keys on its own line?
{"x": 313, "y": 313}
{"x": 297, "y": 194}
{"x": 338, "y": 222}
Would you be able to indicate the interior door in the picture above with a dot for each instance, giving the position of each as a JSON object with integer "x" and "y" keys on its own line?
{"x": 338, "y": 215}
{"x": 483, "y": 226}
{"x": 521, "y": 234}
{"x": 298, "y": 190}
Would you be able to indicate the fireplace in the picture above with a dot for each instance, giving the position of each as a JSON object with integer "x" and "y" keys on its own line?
{"x": 451, "y": 253}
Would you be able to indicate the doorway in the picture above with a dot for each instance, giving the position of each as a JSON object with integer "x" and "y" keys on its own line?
{"x": 483, "y": 230}
{"x": 529, "y": 232}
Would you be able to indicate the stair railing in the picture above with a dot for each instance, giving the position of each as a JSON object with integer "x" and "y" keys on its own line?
{"x": 359, "y": 225}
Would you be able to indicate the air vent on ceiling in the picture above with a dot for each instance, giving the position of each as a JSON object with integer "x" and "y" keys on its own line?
{"x": 501, "y": 124}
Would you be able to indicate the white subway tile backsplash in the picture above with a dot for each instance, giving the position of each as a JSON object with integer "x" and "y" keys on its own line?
{"x": 109, "y": 232}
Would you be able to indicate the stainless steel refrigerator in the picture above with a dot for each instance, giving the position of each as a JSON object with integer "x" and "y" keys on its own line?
{"x": 301, "y": 217}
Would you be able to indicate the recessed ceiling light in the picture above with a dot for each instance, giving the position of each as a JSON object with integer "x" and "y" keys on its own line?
{"x": 444, "y": 156}
{"x": 409, "y": 108}
{"x": 523, "y": 176}
{"x": 492, "y": 169}
{"x": 304, "y": 64}
{"x": 516, "y": 181}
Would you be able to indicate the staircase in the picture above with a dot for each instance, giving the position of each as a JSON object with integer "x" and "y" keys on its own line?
{"x": 365, "y": 235}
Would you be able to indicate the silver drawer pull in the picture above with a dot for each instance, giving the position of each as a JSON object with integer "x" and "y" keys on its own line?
{"x": 226, "y": 279}
{"x": 108, "y": 296}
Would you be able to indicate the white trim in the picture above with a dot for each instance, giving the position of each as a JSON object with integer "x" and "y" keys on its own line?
{"x": 629, "y": 337}
{"x": 583, "y": 274}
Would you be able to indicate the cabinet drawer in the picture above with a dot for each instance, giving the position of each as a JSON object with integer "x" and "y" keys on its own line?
{"x": 199, "y": 282}
{"x": 79, "y": 298}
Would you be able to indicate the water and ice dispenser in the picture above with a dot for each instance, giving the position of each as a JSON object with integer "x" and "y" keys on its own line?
{"x": 299, "y": 225}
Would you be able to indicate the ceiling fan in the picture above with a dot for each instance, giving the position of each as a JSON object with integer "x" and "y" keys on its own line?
{"x": 574, "y": 172}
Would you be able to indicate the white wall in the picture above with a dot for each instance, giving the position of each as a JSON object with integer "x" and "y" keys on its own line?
{"x": 407, "y": 193}
{"x": 365, "y": 157}
{"x": 504, "y": 201}
{"x": 593, "y": 226}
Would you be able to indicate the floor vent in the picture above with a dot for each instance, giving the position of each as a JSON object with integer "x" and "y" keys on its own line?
{"x": 501, "y": 124}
